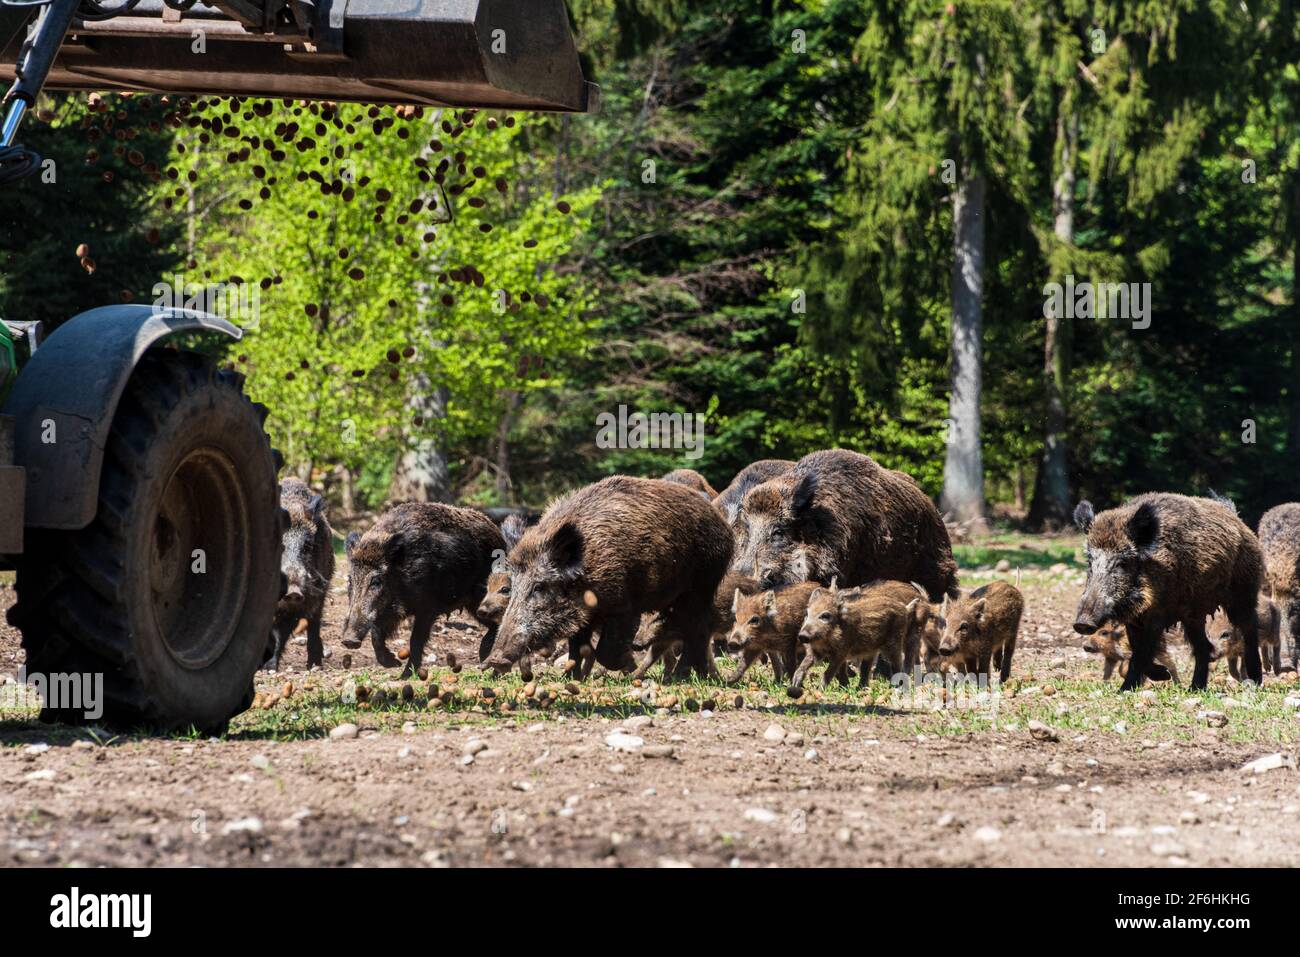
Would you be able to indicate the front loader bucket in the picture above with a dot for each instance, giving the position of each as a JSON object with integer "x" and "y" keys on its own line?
{"x": 504, "y": 54}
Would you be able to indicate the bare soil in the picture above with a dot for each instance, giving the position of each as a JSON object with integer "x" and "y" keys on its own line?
{"x": 855, "y": 779}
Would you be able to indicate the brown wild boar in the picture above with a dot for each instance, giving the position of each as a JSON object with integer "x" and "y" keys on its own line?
{"x": 767, "y": 623}
{"x": 307, "y": 562}
{"x": 1279, "y": 540}
{"x": 1111, "y": 642}
{"x": 420, "y": 560}
{"x": 692, "y": 479}
{"x": 493, "y": 605}
{"x": 603, "y": 556}
{"x": 729, "y": 500}
{"x": 980, "y": 630}
{"x": 1162, "y": 559}
{"x": 853, "y": 625}
{"x": 838, "y": 514}
{"x": 1232, "y": 647}
{"x": 922, "y": 619}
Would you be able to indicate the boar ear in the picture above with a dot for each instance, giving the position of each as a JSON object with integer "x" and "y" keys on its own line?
{"x": 316, "y": 503}
{"x": 1143, "y": 526}
{"x": 735, "y": 602}
{"x": 351, "y": 543}
{"x": 394, "y": 547}
{"x": 977, "y": 611}
{"x": 1083, "y": 515}
{"x": 805, "y": 490}
{"x": 769, "y": 604}
{"x": 512, "y": 529}
{"x": 835, "y": 582}
{"x": 565, "y": 547}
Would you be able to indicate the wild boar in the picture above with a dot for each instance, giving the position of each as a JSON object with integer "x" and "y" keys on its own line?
{"x": 1163, "y": 558}
{"x": 307, "y": 563}
{"x": 1232, "y": 647}
{"x": 838, "y": 514}
{"x": 605, "y": 555}
{"x": 1279, "y": 540}
{"x": 980, "y": 630}
{"x": 1111, "y": 642}
{"x": 729, "y": 500}
{"x": 767, "y": 623}
{"x": 420, "y": 560}
{"x": 494, "y": 602}
{"x": 920, "y": 621}
{"x": 693, "y": 480}
{"x": 843, "y": 626}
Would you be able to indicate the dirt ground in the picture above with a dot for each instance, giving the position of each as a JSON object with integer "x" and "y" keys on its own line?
{"x": 677, "y": 775}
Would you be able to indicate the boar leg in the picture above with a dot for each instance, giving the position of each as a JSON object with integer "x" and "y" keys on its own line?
{"x": 384, "y": 657}
{"x": 486, "y": 642}
{"x": 747, "y": 658}
{"x": 1202, "y": 651}
{"x": 1233, "y": 667}
{"x": 281, "y": 628}
{"x": 1166, "y": 659}
{"x": 1007, "y": 651}
{"x": 652, "y": 654}
{"x": 1243, "y": 616}
{"x": 1109, "y": 668}
{"x": 1277, "y": 657}
{"x": 1144, "y": 638}
{"x": 835, "y": 671}
{"x": 420, "y": 629}
{"x": 809, "y": 659}
{"x": 315, "y": 647}
{"x": 615, "y": 643}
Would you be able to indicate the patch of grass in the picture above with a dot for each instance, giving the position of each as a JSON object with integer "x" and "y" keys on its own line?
{"x": 1022, "y": 551}
{"x": 1073, "y": 703}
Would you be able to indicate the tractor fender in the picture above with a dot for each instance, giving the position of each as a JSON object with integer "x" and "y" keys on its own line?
{"x": 66, "y": 396}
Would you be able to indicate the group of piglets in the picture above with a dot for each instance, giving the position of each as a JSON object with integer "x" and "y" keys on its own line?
{"x": 1163, "y": 560}
{"x": 832, "y": 559}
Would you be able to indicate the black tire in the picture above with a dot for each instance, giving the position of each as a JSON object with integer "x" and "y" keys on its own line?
{"x": 187, "y": 466}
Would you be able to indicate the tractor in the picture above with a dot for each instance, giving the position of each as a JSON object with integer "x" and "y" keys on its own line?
{"x": 125, "y": 451}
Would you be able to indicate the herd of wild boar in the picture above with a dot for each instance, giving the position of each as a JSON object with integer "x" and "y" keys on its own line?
{"x": 830, "y": 560}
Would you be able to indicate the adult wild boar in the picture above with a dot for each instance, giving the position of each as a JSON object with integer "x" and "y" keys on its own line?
{"x": 1279, "y": 538}
{"x": 307, "y": 562}
{"x": 493, "y": 605}
{"x": 420, "y": 560}
{"x": 692, "y": 479}
{"x": 730, "y": 499}
{"x": 603, "y": 556}
{"x": 1163, "y": 558}
{"x": 838, "y": 514}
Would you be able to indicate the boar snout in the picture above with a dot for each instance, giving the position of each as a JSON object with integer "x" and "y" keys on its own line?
{"x": 1086, "y": 626}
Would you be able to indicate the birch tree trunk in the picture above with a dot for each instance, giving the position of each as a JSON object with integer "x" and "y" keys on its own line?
{"x": 421, "y": 474}
{"x": 1050, "y": 509}
{"x": 963, "y": 470}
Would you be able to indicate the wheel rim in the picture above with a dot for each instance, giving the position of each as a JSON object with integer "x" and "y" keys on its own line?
{"x": 199, "y": 558}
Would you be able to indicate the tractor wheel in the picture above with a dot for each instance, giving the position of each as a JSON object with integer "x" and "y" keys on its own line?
{"x": 169, "y": 592}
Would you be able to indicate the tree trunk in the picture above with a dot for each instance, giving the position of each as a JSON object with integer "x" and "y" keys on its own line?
{"x": 1050, "y": 510}
{"x": 421, "y": 474}
{"x": 1293, "y": 423}
{"x": 963, "y": 469}
{"x": 504, "y": 487}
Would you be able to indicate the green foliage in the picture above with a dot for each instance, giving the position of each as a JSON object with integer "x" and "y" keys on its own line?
{"x": 366, "y": 303}
{"x": 107, "y": 202}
